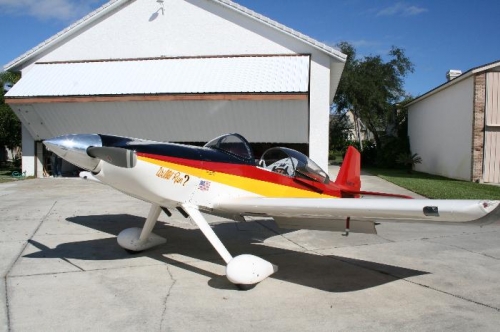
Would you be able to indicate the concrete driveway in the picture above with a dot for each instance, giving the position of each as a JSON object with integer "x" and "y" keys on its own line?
{"x": 63, "y": 270}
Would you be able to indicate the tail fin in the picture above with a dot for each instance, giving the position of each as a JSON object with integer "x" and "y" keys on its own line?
{"x": 348, "y": 179}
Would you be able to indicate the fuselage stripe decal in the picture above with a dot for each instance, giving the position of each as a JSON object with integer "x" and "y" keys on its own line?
{"x": 260, "y": 187}
{"x": 249, "y": 172}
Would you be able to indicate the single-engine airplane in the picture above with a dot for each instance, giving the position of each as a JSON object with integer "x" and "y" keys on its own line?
{"x": 223, "y": 178}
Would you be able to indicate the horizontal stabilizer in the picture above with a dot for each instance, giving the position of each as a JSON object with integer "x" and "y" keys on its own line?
{"x": 332, "y": 225}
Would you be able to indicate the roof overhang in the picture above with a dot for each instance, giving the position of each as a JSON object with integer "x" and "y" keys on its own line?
{"x": 283, "y": 77}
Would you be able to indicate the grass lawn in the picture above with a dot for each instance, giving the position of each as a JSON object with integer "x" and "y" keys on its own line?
{"x": 6, "y": 173}
{"x": 5, "y": 176}
{"x": 433, "y": 186}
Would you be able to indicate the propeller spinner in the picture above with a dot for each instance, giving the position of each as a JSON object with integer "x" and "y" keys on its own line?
{"x": 86, "y": 151}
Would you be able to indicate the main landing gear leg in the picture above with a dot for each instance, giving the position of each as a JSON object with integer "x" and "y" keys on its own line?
{"x": 242, "y": 270}
{"x": 347, "y": 225}
{"x": 136, "y": 239}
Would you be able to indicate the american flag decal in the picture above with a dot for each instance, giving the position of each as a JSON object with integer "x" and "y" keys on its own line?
{"x": 204, "y": 185}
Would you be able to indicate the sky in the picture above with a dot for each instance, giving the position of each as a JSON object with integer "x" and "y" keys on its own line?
{"x": 436, "y": 35}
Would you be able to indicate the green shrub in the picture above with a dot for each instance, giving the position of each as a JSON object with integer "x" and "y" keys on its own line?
{"x": 17, "y": 162}
{"x": 385, "y": 157}
{"x": 409, "y": 160}
{"x": 392, "y": 148}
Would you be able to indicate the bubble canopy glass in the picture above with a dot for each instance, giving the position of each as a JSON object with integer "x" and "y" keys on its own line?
{"x": 292, "y": 163}
{"x": 278, "y": 159}
{"x": 234, "y": 144}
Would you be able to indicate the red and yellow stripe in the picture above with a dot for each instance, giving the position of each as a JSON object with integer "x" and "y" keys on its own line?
{"x": 244, "y": 177}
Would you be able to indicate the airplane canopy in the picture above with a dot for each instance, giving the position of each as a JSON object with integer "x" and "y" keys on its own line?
{"x": 292, "y": 163}
{"x": 234, "y": 144}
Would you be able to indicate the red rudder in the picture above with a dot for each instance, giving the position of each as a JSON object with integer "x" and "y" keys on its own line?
{"x": 348, "y": 178}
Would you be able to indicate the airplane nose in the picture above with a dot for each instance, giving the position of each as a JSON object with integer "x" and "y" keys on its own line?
{"x": 73, "y": 148}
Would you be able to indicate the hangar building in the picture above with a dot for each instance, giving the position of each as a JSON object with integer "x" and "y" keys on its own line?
{"x": 455, "y": 127}
{"x": 180, "y": 71}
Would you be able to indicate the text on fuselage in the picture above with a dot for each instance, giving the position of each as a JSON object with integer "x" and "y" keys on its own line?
{"x": 174, "y": 176}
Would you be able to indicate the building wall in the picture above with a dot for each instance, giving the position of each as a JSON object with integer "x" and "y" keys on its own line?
{"x": 199, "y": 28}
{"x": 440, "y": 130}
{"x": 186, "y": 28}
{"x": 319, "y": 111}
{"x": 29, "y": 159}
{"x": 183, "y": 29}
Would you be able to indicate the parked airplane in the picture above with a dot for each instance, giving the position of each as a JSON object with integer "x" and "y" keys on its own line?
{"x": 223, "y": 178}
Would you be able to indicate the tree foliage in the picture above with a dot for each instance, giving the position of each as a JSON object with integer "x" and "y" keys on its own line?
{"x": 340, "y": 128}
{"x": 372, "y": 89}
{"x": 10, "y": 126}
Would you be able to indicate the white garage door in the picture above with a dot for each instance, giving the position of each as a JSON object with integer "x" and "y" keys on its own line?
{"x": 492, "y": 131}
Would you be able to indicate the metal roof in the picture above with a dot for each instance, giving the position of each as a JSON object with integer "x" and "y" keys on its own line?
{"x": 252, "y": 74}
{"x": 114, "y": 4}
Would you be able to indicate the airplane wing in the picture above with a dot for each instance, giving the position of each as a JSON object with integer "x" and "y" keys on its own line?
{"x": 357, "y": 208}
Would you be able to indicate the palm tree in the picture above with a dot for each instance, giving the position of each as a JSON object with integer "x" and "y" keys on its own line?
{"x": 409, "y": 160}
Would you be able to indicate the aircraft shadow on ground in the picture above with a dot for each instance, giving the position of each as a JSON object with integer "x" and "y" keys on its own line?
{"x": 328, "y": 273}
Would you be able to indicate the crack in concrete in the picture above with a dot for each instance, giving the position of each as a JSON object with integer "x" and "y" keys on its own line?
{"x": 281, "y": 235}
{"x": 6, "y": 277}
{"x": 82, "y": 270}
{"x": 432, "y": 238}
{"x": 418, "y": 284}
{"x": 462, "y": 234}
{"x": 174, "y": 281}
{"x": 467, "y": 250}
{"x": 7, "y": 311}
{"x": 379, "y": 236}
{"x": 453, "y": 295}
{"x": 405, "y": 279}
{"x": 398, "y": 277}
{"x": 385, "y": 239}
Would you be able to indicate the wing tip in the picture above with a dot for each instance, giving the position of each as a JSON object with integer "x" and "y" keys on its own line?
{"x": 492, "y": 210}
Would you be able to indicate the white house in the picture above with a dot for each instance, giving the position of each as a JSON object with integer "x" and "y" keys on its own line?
{"x": 176, "y": 70}
{"x": 455, "y": 127}
{"x": 359, "y": 131}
